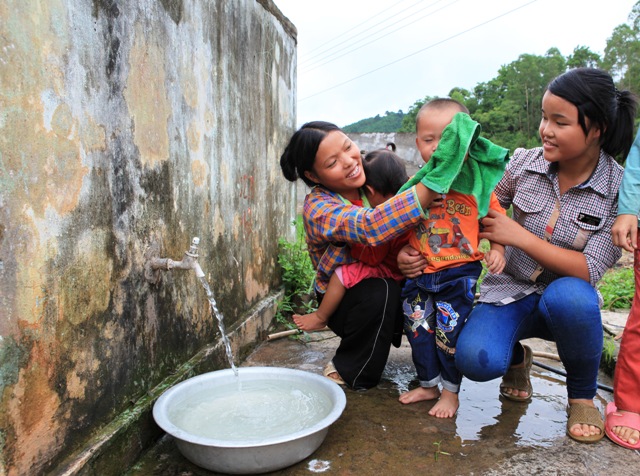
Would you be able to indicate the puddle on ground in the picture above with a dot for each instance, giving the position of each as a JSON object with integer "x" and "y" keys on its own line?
{"x": 484, "y": 414}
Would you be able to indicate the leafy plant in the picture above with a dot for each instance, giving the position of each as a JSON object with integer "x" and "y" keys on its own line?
{"x": 297, "y": 277}
{"x": 607, "y": 360}
{"x": 617, "y": 288}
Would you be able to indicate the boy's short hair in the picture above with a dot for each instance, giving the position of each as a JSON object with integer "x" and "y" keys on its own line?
{"x": 441, "y": 103}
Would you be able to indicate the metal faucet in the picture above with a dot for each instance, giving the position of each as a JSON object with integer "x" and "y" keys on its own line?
{"x": 189, "y": 261}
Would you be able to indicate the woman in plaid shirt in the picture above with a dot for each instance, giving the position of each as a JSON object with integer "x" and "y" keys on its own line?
{"x": 369, "y": 315}
{"x": 558, "y": 246}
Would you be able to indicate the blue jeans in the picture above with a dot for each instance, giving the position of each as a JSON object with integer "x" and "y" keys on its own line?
{"x": 567, "y": 312}
{"x": 435, "y": 307}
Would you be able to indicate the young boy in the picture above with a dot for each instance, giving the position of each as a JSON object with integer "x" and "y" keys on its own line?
{"x": 437, "y": 302}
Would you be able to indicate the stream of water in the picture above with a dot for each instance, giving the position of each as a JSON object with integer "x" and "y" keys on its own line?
{"x": 220, "y": 318}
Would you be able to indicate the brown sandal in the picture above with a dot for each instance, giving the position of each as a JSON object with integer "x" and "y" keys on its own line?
{"x": 332, "y": 374}
{"x": 519, "y": 378}
{"x": 581, "y": 414}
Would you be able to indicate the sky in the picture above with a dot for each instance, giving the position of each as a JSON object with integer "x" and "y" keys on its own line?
{"x": 360, "y": 58}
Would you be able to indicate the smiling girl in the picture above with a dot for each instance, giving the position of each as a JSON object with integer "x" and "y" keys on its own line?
{"x": 336, "y": 214}
{"x": 558, "y": 246}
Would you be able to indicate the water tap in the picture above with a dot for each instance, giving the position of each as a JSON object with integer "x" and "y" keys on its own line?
{"x": 189, "y": 261}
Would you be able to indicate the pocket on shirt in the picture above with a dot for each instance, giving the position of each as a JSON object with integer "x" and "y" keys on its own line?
{"x": 527, "y": 201}
{"x": 585, "y": 223}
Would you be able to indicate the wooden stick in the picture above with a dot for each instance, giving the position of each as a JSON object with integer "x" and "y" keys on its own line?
{"x": 291, "y": 332}
{"x": 546, "y": 355}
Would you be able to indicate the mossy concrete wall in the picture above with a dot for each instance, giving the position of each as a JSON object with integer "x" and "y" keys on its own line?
{"x": 126, "y": 129}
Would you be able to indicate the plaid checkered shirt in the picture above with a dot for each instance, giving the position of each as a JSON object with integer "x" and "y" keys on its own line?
{"x": 587, "y": 212}
{"x": 331, "y": 225}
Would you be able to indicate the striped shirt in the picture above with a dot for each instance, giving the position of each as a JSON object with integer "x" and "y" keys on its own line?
{"x": 331, "y": 225}
{"x": 587, "y": 212}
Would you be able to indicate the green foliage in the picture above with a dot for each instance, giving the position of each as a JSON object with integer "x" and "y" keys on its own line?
{"x": 583, "y": 57}
{"x": 409, "y": 120}
{"x": 608, "y": 357}
{"x": 617, "y": 288}
{"x": 297, "y": 277}
{"x": 390, "y": 122}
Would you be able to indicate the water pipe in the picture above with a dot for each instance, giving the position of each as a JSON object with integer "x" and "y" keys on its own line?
{"x": 189, "y": 261}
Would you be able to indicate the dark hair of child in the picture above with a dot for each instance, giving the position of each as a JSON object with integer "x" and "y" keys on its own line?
{"x": 385, "y": 171}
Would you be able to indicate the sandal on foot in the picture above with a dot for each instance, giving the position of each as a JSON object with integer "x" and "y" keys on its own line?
{"x": 616, "y": 418}
{"x": 581, "y": 414}
{"x": 332, "y": 374}
{"x": 518, "y": 378}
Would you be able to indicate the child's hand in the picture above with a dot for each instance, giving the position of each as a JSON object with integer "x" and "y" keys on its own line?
{"x": 437, "y": 202}
{"x": 624, "y": 232}
{"x": 495, "y": 261}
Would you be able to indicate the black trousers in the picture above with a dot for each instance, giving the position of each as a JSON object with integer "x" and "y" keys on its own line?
{"x": 368, "y": 321}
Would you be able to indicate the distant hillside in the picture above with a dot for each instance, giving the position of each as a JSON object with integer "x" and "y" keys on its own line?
{"x": 390, "y": 122}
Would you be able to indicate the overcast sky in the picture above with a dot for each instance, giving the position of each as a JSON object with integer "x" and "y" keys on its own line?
{"x": 360, "y": 58}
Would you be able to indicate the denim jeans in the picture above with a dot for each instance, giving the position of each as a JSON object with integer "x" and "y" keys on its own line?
{"x": 567, "y": 313}
{"x": 444, "y": 299}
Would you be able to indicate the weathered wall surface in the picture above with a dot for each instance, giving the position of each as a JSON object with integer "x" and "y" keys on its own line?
{"x": 129, "y": 127}
{"x": 405, "y": 145}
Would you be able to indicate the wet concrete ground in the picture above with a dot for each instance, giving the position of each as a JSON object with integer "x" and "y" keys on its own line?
{"x": 378, "y": 435}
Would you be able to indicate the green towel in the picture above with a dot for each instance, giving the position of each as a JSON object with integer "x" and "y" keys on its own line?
{"x": 448, "y": 169}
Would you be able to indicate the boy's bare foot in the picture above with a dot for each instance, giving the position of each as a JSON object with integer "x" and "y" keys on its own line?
{"x": 419, "y": 394}
{"x": 309, "y": 322}
{"x": 447, "y": 406}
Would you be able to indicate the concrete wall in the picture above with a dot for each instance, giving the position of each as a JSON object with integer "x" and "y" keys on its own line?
{"x": 126, "y": 129}
{"x": 405, "y": 146}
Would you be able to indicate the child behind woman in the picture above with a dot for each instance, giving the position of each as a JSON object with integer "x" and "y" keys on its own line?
{"x": 386, "y": 173}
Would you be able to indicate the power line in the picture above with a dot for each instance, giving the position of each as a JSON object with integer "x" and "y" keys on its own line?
{"x": 417, "y": 52}
{"x": 356, "y": 27}
{"x": 351, "y": 45}
{"x": 349, "y": 41}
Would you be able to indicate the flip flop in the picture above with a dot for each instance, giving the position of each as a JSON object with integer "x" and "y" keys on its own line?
{"x": 581, "y": 414}
{"x": 615, "y": 418}
{"x": 519, "y": 378}
{"x": 329, "y": 370}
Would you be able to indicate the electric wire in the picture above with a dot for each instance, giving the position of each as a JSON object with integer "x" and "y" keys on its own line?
{"x": 326, "y": 44}
{"x": 416, "y": 52}
{"x": 351, "y": 46}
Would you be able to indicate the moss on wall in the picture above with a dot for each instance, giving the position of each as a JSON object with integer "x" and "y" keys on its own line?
{"x": 128, "y": 128}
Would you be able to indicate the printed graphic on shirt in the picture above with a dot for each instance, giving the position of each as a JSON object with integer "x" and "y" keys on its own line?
{"x": 450, "y": 234}
{"x": 419, "y": 313}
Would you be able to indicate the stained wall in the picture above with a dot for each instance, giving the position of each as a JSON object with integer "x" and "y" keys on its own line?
{"x": 126, "y": 129}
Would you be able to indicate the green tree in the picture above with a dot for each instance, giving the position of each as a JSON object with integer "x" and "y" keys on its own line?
{"x": 409, "y": 119}
{"x": 583, "y": 57}
{"x": 509, "y": 105}
{"x": 622, "y": 53}
{"x": 390, "y": 122}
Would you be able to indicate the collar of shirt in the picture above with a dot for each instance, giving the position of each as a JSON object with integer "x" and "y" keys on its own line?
{"x": 599, "y": 181}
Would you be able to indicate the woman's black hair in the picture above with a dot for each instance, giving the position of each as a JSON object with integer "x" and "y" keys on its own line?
{"x": 300, "y": 154}
{"x": 595, "y": 95}
{"x": 385, "y": 171}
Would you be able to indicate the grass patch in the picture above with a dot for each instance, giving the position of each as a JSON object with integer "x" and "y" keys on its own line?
{"x": 617, "y": 288}
{"x": 297, "y": 277}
